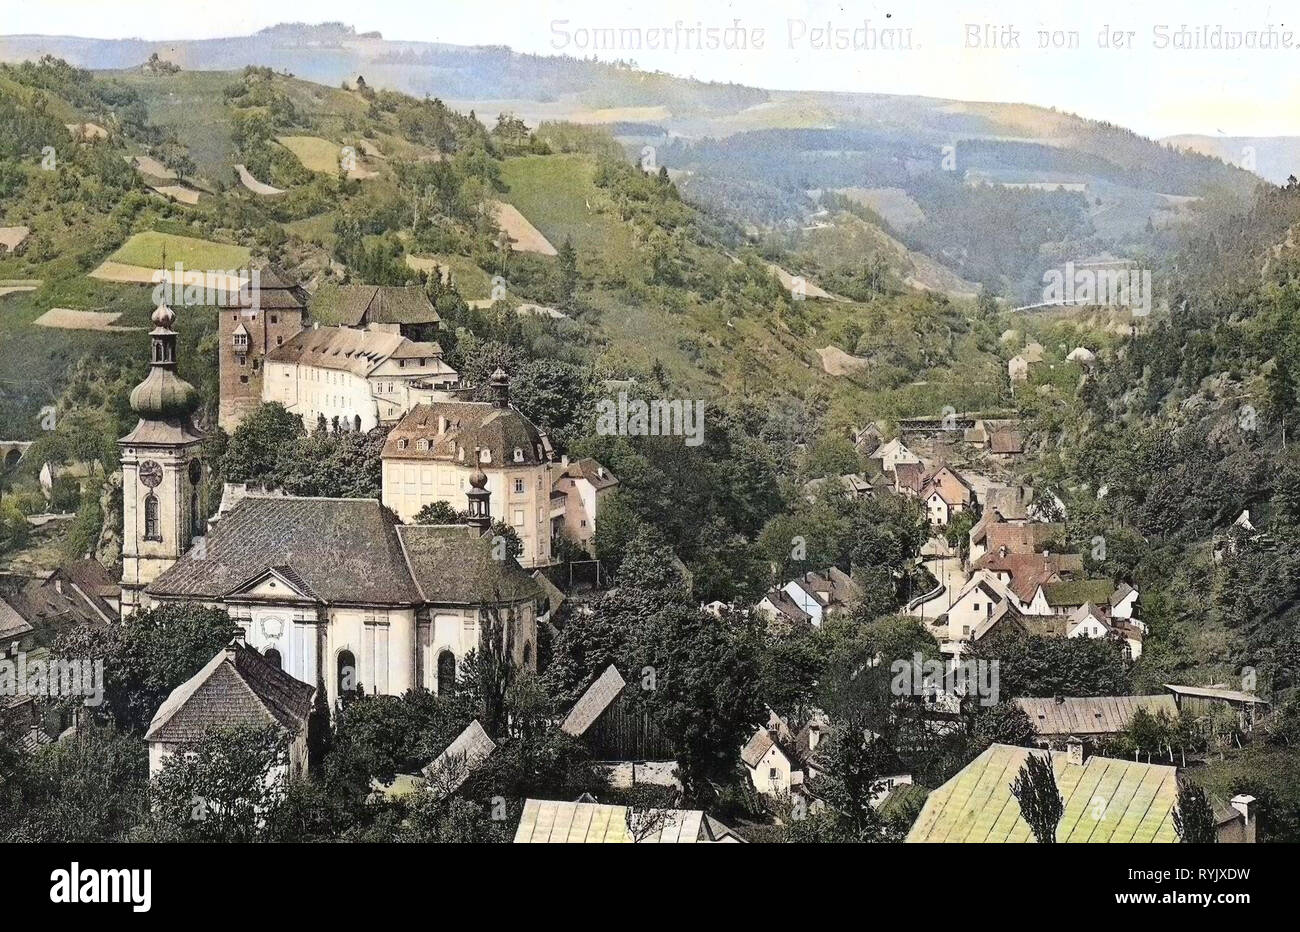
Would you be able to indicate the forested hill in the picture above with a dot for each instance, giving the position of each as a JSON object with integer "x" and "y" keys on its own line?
{"x": 993, "y": 193}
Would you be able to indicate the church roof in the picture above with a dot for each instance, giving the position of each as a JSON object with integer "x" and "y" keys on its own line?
{"x": 343, "y": 551}
{"x": 237, "y": 687}
{"x": 454, "y": 563}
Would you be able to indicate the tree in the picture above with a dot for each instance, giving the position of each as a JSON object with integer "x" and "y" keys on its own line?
{"x": 1040, "y": 801}
{"x": 567, "y": 262}
{"x": 439, "y": 513}
{"x": 149, "y": 654}
{"x": 225, "y": 787}
{"x": 1194, "y": 816}
{"x": 1281, "y": 391}
{"x": 256, "y": 443}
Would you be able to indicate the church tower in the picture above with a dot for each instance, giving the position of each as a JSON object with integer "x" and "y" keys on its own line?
{"x": 162, "y": 474}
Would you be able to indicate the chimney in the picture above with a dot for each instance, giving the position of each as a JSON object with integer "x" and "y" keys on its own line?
{"x": 1074, "y": 750}
{"x": 442, "y": 424}
{"x": 564, "y": 461}
{"x": 1246, "y": 806}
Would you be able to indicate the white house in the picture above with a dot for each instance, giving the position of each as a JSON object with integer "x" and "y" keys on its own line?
{"x": 892, "y": 453}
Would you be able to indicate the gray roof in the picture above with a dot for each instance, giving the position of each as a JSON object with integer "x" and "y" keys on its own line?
{"x": 345, "y": 549}
{"x": 1091, "y": 715}
{"x": 453, "y": 563}
{"x": 237, "y": 687}
{"x": 1215, "y": 692}
{"x": 384, "y": 304}
{"x": 448, "y": 771}
{"x": 457, "y": 430}
{"x": 12, "y": 624}
{"x": 593, "y": 702}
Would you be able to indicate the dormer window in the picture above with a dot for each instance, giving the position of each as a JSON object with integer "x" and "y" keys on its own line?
{"x": 422, "y": 444}
{"x": 241, "y": 340}
{"x": 519, "y": 455}
{"x": 485, "y": 455}
{"x": 403, "y": 443}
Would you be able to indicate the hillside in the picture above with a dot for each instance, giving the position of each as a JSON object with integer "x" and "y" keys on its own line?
{"x": 1274, "y": 158}
{"x": 978, "y": 169}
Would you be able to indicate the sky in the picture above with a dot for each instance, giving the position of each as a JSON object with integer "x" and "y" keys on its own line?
{"x": 1134, "y": 63}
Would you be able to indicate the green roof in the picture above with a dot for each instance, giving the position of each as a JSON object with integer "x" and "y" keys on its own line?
{"x": 1106, "y": 800}
{"x": 1079, "y": 591}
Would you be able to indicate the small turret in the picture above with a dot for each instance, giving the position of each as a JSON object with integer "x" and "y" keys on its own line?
{"x": 500, "y": 383}
{"x": 478, "y": 495}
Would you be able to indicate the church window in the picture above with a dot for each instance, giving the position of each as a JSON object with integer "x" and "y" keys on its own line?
{"x": 347, "y": 674}
{"x": 446, "y": 673}
{"x": 528, "y": 654}
{"x": 151, "y": 530}
{"x": 519, "y": 485}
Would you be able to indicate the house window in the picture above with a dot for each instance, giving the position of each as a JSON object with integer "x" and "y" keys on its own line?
{"x": 446, "y": 673}
{"x": 151, "y": 530}
{"x": 273, "y": 656}
{"x": 771, "y": 773}
{"x": 275, "y": 318}
{"x": 519, "y": 485}
{"x": 422, "y": 444}
{"x": 279, "y": 341}
{"x": 241, "y": 340}
{"x": 243, "y": 379}
{"x": 403, "y": 443}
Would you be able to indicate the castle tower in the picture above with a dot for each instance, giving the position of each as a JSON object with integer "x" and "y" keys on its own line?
{"x": 162, "y": 474}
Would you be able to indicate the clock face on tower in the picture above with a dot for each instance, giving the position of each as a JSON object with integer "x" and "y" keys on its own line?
{"x": 150, "y": 473}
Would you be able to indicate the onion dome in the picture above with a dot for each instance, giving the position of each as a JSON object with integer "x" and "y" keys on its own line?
{"x": 163, "y": 395}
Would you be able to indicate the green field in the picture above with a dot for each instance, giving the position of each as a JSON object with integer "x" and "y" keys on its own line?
{"x": 316, "y": 154}
{"x": 147, "y": 250}
{"x": 554, "y": 191}
{"x": 472, "y": 282}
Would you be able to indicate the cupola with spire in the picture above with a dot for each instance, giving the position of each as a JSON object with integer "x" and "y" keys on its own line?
{"x": 500, "y": 384}
{"x": 479, "y": 515}
{"x": 163, "y": 395}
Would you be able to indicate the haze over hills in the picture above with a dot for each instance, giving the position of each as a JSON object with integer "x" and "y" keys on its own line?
{"x": 1273, "y": 158}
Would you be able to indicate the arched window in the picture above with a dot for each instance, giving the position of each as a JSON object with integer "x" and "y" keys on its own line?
{"x": 196, "y": 517}
{"x": 347, "y": 674}
{"x": 446, "y": 673}
{"x": 273, "y": 656}
{"x": 151, "y": 529}
{"x": 528, "y": 655}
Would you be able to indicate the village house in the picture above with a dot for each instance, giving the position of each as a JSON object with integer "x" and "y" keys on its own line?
{"x": 355, "y": 379}
{"x": 613, "y": 727}
{"x": 237, "y": 687}
{"x": 1018, "y": 369}
{"x": 945, "y": 494}
{"x": 811, "y": 597}
{"x": 851, "y": 484}
{"x": 1090, "y": 718}
{"x": 977, "y": 602}
{"x": 893, "y": 452}
{"x": 584, "y": 486}
{"x": 976, "y": 805}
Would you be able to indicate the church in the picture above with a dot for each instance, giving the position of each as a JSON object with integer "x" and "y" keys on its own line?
{"x": 337, "y": 592}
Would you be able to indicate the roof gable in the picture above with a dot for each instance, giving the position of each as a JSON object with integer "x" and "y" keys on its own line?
{"x": 592, "y": 703}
